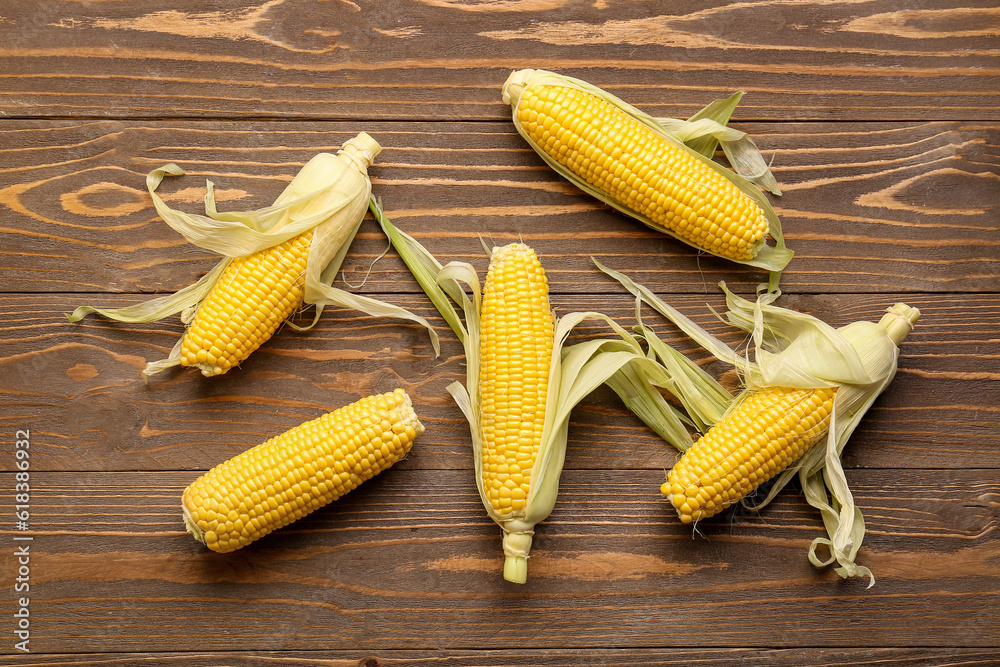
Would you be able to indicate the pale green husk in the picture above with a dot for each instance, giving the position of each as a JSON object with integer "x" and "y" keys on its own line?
{"x": 329, "y": 194}
{"x": 575, "y": 371}
{"x": 697, "y": 135}
{"x": 796, "y": 350}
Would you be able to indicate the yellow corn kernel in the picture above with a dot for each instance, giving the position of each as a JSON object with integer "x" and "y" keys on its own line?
{"x": 516, "y": 338}
{"x": 762, "y": 436}
{"x": 253, "y": 297}
{"x": 641, "y": 170}
{"x": 299, "y": 471}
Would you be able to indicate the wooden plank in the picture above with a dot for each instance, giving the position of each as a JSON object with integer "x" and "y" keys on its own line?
{"x": 410, "y": 560}
{"x": 447, "y": 60}
{"x": 884, "y": 125}
{"x": 77, "y": 386}
{"x": 673, "y": 657}
{"x": 867, "y": 207}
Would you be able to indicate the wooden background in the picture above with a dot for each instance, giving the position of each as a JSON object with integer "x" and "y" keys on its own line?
{"x": 882, "y": 119}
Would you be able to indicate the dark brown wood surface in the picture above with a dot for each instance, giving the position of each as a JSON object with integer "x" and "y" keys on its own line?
{"x": 444, "y": 60}
{"x": 868, "y": 207}
{"x": 883, "y": 126}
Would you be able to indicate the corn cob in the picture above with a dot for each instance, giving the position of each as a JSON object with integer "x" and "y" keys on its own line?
{"x": 515, "y": 353}
{"x": 771, "y": 425}
{"x": 643, "y": 171}
{"x": 259, "y": 291}
{"x": 276, "y": 259}
{"x": 253, "y": 297}
{"x": 295, "y": 473}
{"x": 634, "y": 163}
{"x": 522, "y": 382}
{"x": 760, "y": 437}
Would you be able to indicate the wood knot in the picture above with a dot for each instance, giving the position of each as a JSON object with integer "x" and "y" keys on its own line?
{"x": 370, "y": 661}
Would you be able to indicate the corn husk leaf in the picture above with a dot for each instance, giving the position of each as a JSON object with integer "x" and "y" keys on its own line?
{"x": 160, "y": 307}
{"x": 426, "y": 269}
{"x": 574, "y": 372}
{"x": 797, "y": 350}
{"x": 720, "y": 111}
{"x": 771, "y": 258}
{"x": 704, "y": 399}
{"x": 642, "y": 397}
{"x": 739, "y": 147}
{"x": 329, "y": 195}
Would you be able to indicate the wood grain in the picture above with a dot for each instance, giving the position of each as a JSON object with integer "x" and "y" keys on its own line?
{"x": 883, "y": 123}
{"x": 93, "y": 412}
{"x": 446, "y": 59}
{"x": 673, "y": 657}
{"x": 867, "y": 207}
{"x": 610, "y": 657}
{"x": 410, "y": 559}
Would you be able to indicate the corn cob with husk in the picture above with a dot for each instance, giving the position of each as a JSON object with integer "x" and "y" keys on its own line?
{"x": 656, "y": 170}
{"x": 807, "y": 390}
{"x": 522, "y": 381}
{"x": 276, "y": 259}
{"x": 288, "y": 476}
{"x": 515, "y": 352}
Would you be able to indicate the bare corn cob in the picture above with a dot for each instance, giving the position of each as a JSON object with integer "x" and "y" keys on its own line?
{"x": 515, "y": 352}
{"x": 299, "y": 471}
{"x": 755, "y": 441}
{"x": 253, "y": 297}
{"x": 641, "y": 170}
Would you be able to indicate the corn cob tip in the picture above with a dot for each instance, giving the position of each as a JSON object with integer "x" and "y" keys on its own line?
{"x": 407, "y": 413}
{"x": 191, "y": 525}
{"x": 899, "y": 320}
{"x": 362, "y": 149}
{"x": 514, "y": 85}
{"x": 516, "y": 547}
